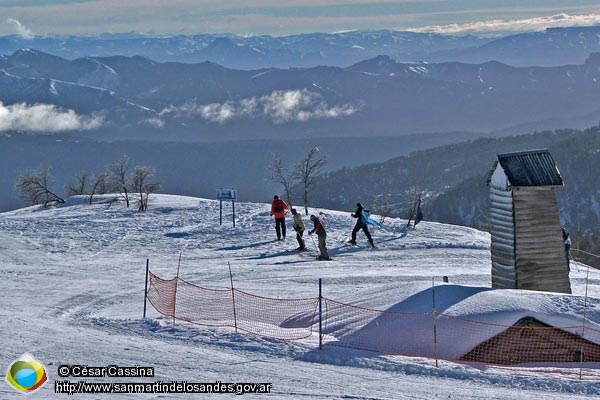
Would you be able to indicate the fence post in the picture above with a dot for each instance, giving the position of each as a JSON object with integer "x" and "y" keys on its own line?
{"x": 581, "y": 354}
{"x": 176, "y": 284}
{"x": 435, "y": 349}
{"x": 232, "y": 297}
{"x": 320, "y": 314}
{"x": 146, "y": 286}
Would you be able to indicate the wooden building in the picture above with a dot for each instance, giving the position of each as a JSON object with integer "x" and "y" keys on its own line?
{"x": 532, "y": 341}
{"x": 527, "y": 248}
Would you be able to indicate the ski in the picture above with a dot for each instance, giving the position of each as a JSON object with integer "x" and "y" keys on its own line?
{"x": 358, "y": 246}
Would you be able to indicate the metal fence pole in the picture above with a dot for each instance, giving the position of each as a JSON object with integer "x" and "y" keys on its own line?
{"x": 581, "y": 355}
{"x": 176, "y": 284}
{"x": 435, "y": 349}
{"x": 320, "y": 314}
{"x": 232, "y": 297}
{"x": 146, "y": 285}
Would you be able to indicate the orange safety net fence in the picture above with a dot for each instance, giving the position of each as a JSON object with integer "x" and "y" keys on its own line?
{"x": 161, "y": 294}
{"x": 284, "y": 319}
{"x": 441, "y": 336}
{"x": 417, "y": 334}
{"x": 384, "y": 332}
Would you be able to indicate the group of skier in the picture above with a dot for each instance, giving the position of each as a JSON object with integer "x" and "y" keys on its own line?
{"x": 279, "y": 210}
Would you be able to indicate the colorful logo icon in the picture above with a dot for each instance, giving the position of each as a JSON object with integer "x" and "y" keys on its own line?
{"x": 26, "y": 374}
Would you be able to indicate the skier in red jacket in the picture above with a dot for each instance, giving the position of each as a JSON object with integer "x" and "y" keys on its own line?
{"x": 278, "y": 210}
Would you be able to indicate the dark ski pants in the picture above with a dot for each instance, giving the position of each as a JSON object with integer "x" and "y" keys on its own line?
{"x": 365, "y": 229}
{"x": 280, "y": 228}
{"x": 301, "y": 243}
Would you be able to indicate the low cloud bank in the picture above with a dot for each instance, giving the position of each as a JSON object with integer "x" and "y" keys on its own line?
{"x": 279, "y": 106}
{"x": 499, "y": 26}
{"x": 44, "y": 118}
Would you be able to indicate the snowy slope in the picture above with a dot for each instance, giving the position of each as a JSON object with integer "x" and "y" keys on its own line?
{"x": 73, "y": 284}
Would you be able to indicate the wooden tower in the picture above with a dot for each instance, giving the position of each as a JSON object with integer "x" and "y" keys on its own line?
{"x": 527, "y": 248}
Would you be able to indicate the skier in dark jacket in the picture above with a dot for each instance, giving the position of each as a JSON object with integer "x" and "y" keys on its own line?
{"x": 319, "y": 229}
{"x": 360, "y": 224}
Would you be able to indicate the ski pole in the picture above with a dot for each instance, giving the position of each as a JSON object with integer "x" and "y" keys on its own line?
{"x": 348, "y": 238}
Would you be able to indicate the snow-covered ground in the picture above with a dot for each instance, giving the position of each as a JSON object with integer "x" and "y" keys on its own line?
{"x": 72, "y": 282}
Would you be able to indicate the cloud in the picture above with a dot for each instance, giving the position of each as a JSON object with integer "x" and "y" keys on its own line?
{"x": 279, "y": 106}
{"x": 22, "y": 30}
{"x": 156, "y": 122}
{"x": 221, "y": 113}
{"x": 44, "y": 118}
{"x": 499, "y": 26}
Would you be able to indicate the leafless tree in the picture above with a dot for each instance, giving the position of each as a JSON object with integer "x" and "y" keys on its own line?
{"x": 80, "y": 186}
{"x": 142, "y": 187}
{"x": 89, "y": 185}
{"x": 306, "y": 172}
{"x": 35, "y": 188}
{"x": 98, "y": 186}
{"x": 279, "y": 174}
{"x": 382, "y": 206}
{"x": 414, "y": 195}
{"x": 118, "y": 177}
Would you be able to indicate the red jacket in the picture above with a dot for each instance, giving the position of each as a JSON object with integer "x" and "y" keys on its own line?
{"x": 278, "y": 208}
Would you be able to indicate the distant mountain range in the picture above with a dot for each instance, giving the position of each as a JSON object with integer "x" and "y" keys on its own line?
{"x": 140, "y": 98}
{"x": 552, "y": 47}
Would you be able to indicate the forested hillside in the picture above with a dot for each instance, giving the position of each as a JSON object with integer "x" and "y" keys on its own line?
{"x": 452, "y": 179}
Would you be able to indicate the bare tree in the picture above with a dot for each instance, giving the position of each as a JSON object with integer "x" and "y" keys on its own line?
{"x": 80, "y": 186}
{"x": 98, "y": 186}
{"x": 118, "y": 175}
{"x": 141, "y": 186}
{"x": 88, "y": 185}
{"x": 306, "y": 172}
{"x": 382, "y": 206}
{"x": 36, "y": 188}
{"x": 279, "y": 174}
{"x": 414, "y": 195}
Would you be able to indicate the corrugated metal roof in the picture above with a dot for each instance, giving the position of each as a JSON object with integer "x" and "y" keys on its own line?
{"x": 530, "y": 168}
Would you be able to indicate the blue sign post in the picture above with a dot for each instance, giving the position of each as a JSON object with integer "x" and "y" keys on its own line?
{"x": 226, "y": 194}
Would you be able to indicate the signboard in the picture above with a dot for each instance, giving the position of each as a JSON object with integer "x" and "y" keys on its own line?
{"x": 226, "y": 194}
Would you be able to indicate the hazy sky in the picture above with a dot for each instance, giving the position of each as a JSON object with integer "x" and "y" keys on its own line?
{"x": 285, "y": 17}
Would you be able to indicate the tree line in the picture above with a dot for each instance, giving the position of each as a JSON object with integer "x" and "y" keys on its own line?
{"x": 129, "y": 182}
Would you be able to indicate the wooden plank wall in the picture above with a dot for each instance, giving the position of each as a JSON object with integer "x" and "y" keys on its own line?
{"x": 541, "y": 262}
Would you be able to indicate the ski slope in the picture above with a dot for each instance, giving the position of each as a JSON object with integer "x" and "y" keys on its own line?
{"x": 73, "y": 294}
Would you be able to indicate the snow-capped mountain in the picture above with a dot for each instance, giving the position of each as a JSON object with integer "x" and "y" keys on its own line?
{"x": 552, "y": 47}
{"x": 140, "y": 97}
{"x": 252, "y": 52}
